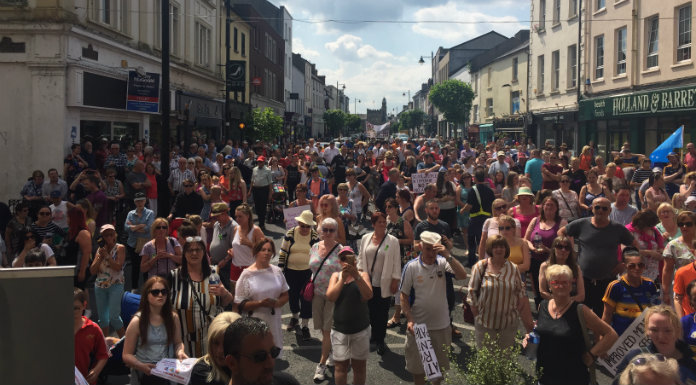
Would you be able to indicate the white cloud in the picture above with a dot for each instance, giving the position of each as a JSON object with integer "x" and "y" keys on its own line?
{"x": 306, "y": 52}
{"x": 463, "y": 22}
{"x": 351, "y": 48}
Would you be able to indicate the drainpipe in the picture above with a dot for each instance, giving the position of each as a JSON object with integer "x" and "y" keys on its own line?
{"x": 637, "y": 63}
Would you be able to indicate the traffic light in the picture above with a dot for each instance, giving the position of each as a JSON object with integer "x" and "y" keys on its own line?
{"x": 241, "y": 126}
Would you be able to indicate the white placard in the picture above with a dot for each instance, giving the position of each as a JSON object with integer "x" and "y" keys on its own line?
{"x": 427, "y": 353}
{"x": 291, "y": 212}
{"x": 79, "y": 378}
{"x": 174, "y": 370}
{"x": 420, "y": 180}
{"x": 632, "y": 338}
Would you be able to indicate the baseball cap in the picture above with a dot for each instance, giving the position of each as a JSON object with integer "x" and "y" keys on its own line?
{"x": 139, "y": 196}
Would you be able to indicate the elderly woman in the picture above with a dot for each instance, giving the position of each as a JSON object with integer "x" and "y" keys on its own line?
{"x": 324, "y": 261}
{"x": 628, "y": 296}
{"x": 380, "y": 257}
{"x": 497, "y": 296}
{"x": 294, "y": 260}
{"x": 562, "y": 354}
{"x": 678, "y": 252}
{"x": 562, "y": 253}
{"x": 211, "y": 368}
{"x": 668, "y": 222}
{"x": 490, "y": 226}
{"x": 197, "y": 295}
{"x": 163, "y": 253}
{"x": 262, "y": 291}
{"x": 664, "y": 330}
{"x": 654, "y": 369}
{"x": 107, "y": 265}
{"x": 350, "y": 290}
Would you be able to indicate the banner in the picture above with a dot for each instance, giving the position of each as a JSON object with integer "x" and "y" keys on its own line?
{"x": 236, "y": 75}
{"x": 633, "y": 338}
{"x": 143, "y": 92}
{"x": 291, "y": 212}
{"x": 674, "y": 141}
{"x": 380, "y": 131}
{"x": 420, "y": 180}
{"x": 427, "y": 353}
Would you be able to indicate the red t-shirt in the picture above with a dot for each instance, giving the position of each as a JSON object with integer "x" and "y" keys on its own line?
{"x": 89, "y": 339}
{"x": 684, "y": 275}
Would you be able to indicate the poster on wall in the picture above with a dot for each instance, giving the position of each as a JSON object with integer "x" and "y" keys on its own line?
{"x": 143, "y": 92}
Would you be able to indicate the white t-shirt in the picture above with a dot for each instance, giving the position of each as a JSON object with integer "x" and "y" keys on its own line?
{"x": 60, "y": 214}
{"x": 428, "y": 281}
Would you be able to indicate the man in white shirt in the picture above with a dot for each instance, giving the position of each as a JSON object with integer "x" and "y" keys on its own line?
{"x": 500, "y": 165}
{"x": 330, "y": 152}
{"x": 621, "y": 211}
{"x": 312, "y": 147}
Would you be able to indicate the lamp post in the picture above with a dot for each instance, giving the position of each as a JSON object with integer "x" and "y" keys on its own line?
{"x": 431, "y": 112}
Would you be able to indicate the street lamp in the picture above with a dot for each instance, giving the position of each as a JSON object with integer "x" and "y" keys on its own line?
{"x": 432, "y": 78}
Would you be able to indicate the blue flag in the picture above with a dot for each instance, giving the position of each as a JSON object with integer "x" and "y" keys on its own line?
{"x": 674, "y": 141}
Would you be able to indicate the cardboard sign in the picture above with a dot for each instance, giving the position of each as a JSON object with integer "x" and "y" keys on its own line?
{"x": 174, "y": 370}
{"x": 420, "y": 180}
{"x": 633, "y": 338}
{"x": 291, "y": 212}
{"x": 427, "y": 353}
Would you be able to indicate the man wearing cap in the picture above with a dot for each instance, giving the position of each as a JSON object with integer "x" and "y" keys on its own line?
{"x": 138, "y": 222}
{"x": 187, "y": 202}
{"x": 261, "y": 181}
{"x": 500, "y": 165}
{"x": 221, "y": 243}
{"x": 424, "y": 301}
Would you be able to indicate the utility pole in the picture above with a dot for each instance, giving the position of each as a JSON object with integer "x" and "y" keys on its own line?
{"x": 165, "y": 99}
{"x": 228, "y": 10}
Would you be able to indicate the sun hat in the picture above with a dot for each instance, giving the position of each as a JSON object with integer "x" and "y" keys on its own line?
{"x": 525, "y": 191}
{"x": 307, "y": 218}
{"x": 219, "y": 208}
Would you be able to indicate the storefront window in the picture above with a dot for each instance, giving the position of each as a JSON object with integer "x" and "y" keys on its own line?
{"x": 124, "y": 129}
{"x": 111, "y": 130}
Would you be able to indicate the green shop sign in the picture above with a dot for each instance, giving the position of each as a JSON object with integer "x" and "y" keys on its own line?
{"x": 639, "y": 103}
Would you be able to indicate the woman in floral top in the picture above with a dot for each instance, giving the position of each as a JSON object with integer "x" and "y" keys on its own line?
{"x": 325, "y": 251}
{"x": 108, "y": 287}
{"x": 678, "y": 252}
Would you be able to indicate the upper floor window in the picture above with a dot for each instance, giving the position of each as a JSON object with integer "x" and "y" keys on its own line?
{"x": 621, "y": 37}
{"x": 684, "y": 33}
{"x": 556, "y": 11}
{"x": 599, "y": 57}
{"x": 542, "y": 15}
{"x": 202, "y": 44}
{"x": 653, "y": 27}
{"x": 112, "y": 13}
{"x": 600, "y": 4}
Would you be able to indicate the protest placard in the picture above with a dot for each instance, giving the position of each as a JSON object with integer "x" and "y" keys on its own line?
{"x": 420, "y": 180}
{"x": 174, "y": 370}
{"x": 290, "y": 213}
{"x": 633, "y": 338}
{"x": 427, "y": 353}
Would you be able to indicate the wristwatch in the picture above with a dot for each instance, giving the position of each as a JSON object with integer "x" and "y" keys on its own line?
{"x": 449, "y": 258}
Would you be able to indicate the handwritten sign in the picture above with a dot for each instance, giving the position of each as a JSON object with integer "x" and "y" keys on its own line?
{"x": 427, "y": 353}
{"x": 633, "y": 338}
{"x": 291, "y": 212}
{"x": 174, "y": 370}
{"x": 420, "y": 180}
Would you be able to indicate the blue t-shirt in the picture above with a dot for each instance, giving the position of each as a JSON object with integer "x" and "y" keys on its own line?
{"x": 626, "y": 310}
{"x": 533, "y": 168}
{"x": 689, "y": 329}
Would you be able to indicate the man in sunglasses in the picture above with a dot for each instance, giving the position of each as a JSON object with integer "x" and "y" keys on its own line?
{"x": 250, "y": 354}
{"x": 187, "y": 202}
{"x": 598, "y": 238}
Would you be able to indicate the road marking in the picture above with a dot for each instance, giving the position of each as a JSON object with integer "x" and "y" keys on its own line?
{"x": 298, "y": 348}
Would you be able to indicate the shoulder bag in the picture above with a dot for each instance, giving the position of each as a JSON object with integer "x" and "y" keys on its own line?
{"x": 374, "y": 260}
{"x": 468, "y": 313}
{"x": 573, "y": 217}
{"x": 307, "y": 292}
{"x": 588, "y": 343}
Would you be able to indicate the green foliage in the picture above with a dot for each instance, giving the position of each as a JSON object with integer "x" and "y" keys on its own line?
{"x": 334, "y": 120}
{"x": 491, "y": 365}
{"x": 454, "y": 98}
{"x": 266, "y": 124}
{"x": 411, "y": 119}
{"x": 352, "y": 122}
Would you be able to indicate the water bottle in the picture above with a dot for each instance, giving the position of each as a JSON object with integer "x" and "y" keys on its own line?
{"x": 537, "y": 241}
{"x": 214, "y": 279}
{"x": 532, "y": 345}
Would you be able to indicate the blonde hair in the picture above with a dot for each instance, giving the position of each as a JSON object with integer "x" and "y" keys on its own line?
{"x": 216, "y": 332}
{"x": 666, "y": 311}
{"x": 157, "y": 222}
{"x": 333, "y": 206}
{"x": 558, "y": 271}
{"x": 667, "y": 369}
{"x": 665, "y": 205}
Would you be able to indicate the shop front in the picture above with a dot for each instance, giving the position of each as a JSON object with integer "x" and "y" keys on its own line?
{"x": 199, "y": 115}
{"x": 557, "y": 126}
{"x": 643, "y": 119}
{"x": 513, "y": 129}
{"x": 486, "y": 133}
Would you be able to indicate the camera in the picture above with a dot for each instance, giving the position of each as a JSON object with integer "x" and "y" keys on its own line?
{"x": 101, "y": 242}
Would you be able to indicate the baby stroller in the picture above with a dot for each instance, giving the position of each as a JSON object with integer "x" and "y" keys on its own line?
{"x": 279, "y": 201}
{"x": 114, "y": 365}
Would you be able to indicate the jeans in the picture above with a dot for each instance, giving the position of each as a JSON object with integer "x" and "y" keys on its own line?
{"x": 474, "y": 236}
{"x": 109, "y": 305}
{"x": 297, "y": 279}
{"x": 379, "y": 314}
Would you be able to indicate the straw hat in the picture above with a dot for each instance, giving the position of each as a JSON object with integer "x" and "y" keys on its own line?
{"x": 306, "y": 218}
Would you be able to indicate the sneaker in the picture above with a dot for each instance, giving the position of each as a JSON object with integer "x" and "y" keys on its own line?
{"x": 306, "y": 335}
{"x": 293, "y": 324}
{"x": 320, "y": 373}
{"x": 330, "y": 360}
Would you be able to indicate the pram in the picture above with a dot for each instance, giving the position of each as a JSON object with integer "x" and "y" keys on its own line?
{"x": 114, "y": 365}
{"x": 279, "y": 201}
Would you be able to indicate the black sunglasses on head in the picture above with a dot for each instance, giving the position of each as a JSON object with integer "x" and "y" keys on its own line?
{"x": 262, "y": 355}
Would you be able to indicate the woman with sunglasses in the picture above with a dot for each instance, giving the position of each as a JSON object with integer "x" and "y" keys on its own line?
{"x": 591, "y": 191}
{"x": 107, "y": 265}
{"x": 562, "y": 253}
{"x": 301, "y": 194}
{"x": 526, "y": 210}
{"x": 153, "y": 333}
{"x": 197, "y": 295}
{"x": 519, "y": 250}
{"x": 627, "y": 297}
{"x": 490, "y": 226}
{"x": 161, "y": 254}
{"x": 562, "y": 355}
{"x": 569, "y": 207}
{"x": 664, "y": 330}
{"x": 262, "y": 290}
{"x": 328, "y": 208}
{"x": 678, "y": 253}
{"x": 654, "y": 369}
{"x": 324, "y": 261}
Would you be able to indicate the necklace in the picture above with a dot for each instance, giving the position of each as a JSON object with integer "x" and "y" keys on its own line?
{"x": 558, "y": 310}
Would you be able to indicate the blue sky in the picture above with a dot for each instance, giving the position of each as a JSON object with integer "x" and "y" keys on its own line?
{"x": 374, "y": 47}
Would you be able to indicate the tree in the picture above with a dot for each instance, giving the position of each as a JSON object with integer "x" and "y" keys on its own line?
{"x": 453, "y": 97}
{"x": 411, "y": 119}
{"x": 334, "y": 120}
{"x": 352, "y": 122}
{"x": 266, "y": 125}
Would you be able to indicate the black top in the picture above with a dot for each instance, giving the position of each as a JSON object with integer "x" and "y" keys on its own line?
{"x": 339, "y": 168}
{"x": 187, "y": 204}
{"x": 487, "y": 198}
{"x": 351, "y": 314}
{"x": 561, "y": 346}
{"x": 388, "y": 190}
{"x": 199, "y": 375}
{"x": 293, "y": 175}
{"x": 441, "y": 228}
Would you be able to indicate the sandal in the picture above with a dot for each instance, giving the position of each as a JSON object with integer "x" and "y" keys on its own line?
{"x": 393, "y": 324}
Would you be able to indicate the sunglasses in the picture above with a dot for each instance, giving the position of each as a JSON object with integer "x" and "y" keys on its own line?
{"x": 503, "y": 207}
{"x": 161, "y": 228}
{"x": 193, "y": 239}
{"x": 644, "y": 360}
{"x": 262, "y": 355}
{"x": 640, "y": 265}
{"x": 158, "y": 292}
{"x": 501, "y": 228}
{"x": 685, "y": 224}
{"x": 328, "y": 230}
{"x": 605, "y": 208}
{"x": 562, "y": 247}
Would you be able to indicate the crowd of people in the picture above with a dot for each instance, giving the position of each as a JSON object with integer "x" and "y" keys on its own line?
{"x": 599, "y": 242}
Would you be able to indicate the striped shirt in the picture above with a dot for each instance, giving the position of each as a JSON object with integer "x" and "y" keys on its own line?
{"x": 499, "y": 295}
{"x": 640, "y": 175}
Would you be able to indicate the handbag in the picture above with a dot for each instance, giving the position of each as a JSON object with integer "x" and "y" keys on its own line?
{"x": 468, "y": 313}
{"x": 139, "y": 243}
{"x": 307, "y": 292}
{"x": 588, "y": 343}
